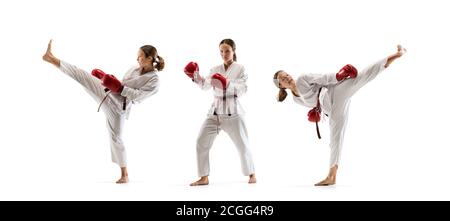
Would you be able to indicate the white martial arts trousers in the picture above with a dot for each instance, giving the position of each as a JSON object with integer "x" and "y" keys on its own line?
{"x": 234, "y": 126}
{"x": 341, "y": 94}
{"x": 114, "y": 115}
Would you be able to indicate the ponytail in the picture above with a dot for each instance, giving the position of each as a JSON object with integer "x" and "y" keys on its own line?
{"x": 159, "y": 63}
{"x": 282, "y": 94}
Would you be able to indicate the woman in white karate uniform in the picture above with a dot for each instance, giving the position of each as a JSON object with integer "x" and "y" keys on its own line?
{"x": 115, "y": 97}
{"x": 334, "y": 92}
{"x": 228, "y": 81}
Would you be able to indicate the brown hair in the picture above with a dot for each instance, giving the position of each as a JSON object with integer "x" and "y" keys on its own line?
{"x": 151, "y": 51}
{"x": 282, "y": 94}
{"x": 231, "y": 43}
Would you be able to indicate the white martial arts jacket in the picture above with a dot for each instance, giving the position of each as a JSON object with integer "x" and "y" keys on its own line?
{"x": 308, "y": 86}
{"x": 136, "y": 88}
{"x": 226, "y": 101}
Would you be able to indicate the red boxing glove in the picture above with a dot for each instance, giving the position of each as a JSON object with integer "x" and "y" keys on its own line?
{"x": 98, "y": 73}
{"x": 314, "y": 114}
{"x": 111, "y": 82}
{"x": 347, "y": 71}
{"x": 218, "y": 80}
{"x": 190, "y": 68}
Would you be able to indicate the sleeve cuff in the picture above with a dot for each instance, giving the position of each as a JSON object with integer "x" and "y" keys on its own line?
{"x": 124, "y": 91}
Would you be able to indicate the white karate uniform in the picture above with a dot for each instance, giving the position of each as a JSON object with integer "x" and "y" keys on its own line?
{"x": 335, "y": 99}
{"x": 225, "y": 113}
{"x": 137, "y": 87}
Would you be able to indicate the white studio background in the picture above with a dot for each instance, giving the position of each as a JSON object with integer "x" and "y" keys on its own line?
{"x": 54, "y": 145}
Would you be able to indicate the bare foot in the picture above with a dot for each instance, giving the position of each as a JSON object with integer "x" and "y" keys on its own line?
{"x": 252, "y": 179}
{"x": 400, "y": 50}
{"x": 202, "y": 181}
{"x": 48, "y": 54}
{"x": 399, "y": 53}
{"x": 326, "y": 182}
{"x": 49, "y": 57}
{"x": 123, "y": 179}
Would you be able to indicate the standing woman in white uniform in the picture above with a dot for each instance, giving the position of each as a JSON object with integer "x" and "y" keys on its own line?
{"x": 228, "y": 81}
{"x": 332, "y": 93}
{"x": 115, "y": 97}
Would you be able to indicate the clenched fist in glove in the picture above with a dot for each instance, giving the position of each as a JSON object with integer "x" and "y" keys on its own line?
{"x": 314, "y": 114}
{"x": 190, "y": 69}
{"x": 98, "y": 73}
{"x": 347, "y": 71}
{"x": 218, "y": 80}
{"x": 111, "y": 82}
{"x": 108, "y": 80}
